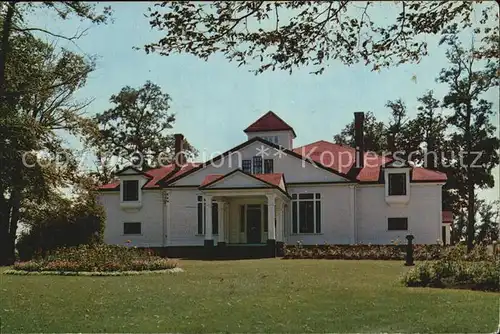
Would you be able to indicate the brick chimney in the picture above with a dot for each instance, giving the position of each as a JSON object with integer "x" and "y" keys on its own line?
{"x": 179, "y": 157}
{"x": 359, "y": 118}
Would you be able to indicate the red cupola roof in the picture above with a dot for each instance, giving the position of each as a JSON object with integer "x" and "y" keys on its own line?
{"x": 269, "y": 122}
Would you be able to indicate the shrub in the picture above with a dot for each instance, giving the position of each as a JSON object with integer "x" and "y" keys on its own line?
{"x": 449, "y": 273}
{"x": 28, "y": 266}
{"x": 385, "y": 252}
{"x": 97, "y": 258}
{"x": 65, "y": 224}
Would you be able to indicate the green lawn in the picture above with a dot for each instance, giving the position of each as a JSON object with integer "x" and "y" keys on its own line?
{"x": 268, "y": 295}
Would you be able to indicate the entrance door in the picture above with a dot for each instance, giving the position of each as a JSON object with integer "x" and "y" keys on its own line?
{"x": 254, "y": 223}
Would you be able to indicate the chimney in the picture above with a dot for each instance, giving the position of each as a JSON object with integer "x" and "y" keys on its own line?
{"x": 179, "y": 157}
{"x": 359, "y": 118}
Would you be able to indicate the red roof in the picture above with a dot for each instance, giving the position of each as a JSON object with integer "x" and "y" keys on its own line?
{"x": 447, "y": 217}
{"x": 155, "y": 176}
{"x": 211, "y": 178}
{"x": 272, "y": 178}
{"x": 342, "y": 158}
{"x": 269, "y": 122}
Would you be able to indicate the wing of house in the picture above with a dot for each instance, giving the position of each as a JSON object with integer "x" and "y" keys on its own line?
{"x": 265, "y": 192}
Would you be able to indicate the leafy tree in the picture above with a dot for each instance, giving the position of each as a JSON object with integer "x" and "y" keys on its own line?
{"x": 61, "y": 222}
{"x": 395, "y": 136}
{"x": 12, "y": 19}
{"x": 290, "y": 34}
{"x": 487, "y": 229}
{"x": 374, "y": 134}
{"x": 28, "y": 124}
{"x": 136, "y": 127}
{"x": 474, "y": 140}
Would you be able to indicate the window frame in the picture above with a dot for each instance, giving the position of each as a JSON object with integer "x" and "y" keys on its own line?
{"x": 389, "y": 183}
{"x": 268, "y": 163}
{"x": 315, "y": 199}
{"x": 246, "y": 163}
{"x": 397, "y": 218}
{"x": 259, "y": 159}
{"x": 215, "y": 212}
{"x": 125, "y": 191}
{"x": 140, "y": 228}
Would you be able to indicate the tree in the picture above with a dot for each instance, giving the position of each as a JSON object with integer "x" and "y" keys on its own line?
{"x": 468, "y": 80}
{"x": 136, "y": 128}
{"x": 291, "y": 34}
{"x": 28, "y": 124}
{"x": 61, "y": 222}
{"x": 374, "y": 136}
{"x": 487, "y": 229}
{"x": 13, "y": 25}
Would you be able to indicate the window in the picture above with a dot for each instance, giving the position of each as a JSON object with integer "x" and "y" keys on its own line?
{"x": 257, "y": 165}
{"x": 397, "y": 224}
{"x": 130, "y": 190}
{"x": 272, "y": 139}
{"x": 397, "y": 184}
{"x": 246, "y": 166}
{"x": 132, "y": 228}
{"x": 268, "y": 166}
{"x": 306, "y": 213}
{"x": 202, "y": 212}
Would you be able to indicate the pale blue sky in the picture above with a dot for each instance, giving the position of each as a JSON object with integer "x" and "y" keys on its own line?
{"x": 215, "y": 100}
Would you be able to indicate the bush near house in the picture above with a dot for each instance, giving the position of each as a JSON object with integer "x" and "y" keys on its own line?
{"x": 97, "y": 258}
{"x": 384, "y": 252}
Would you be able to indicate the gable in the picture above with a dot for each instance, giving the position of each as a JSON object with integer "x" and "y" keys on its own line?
{"x": 237, "y": 180}
{"x": 290, "y": 164}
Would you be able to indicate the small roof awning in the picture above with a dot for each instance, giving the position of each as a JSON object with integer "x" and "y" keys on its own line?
{"x": 239, "y": 180}
{"x": 447, "y": 217}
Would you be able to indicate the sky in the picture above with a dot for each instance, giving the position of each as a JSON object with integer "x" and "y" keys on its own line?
{"x": 215, "y": 100}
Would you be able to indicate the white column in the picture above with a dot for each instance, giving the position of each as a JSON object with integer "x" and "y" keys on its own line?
{"x": 271, "y": 212}
{"x": 352, "y": 190}
{"x": 221, "y": 222}
{"x": 168, "y": 218}
{"x": 279, "y": 221}
{"x": 208, "y": 217}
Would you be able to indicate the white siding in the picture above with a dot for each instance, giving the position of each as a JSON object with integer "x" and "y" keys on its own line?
{"x": 149, "y": 215}
{"x": 295, "y": 169}
{"x": 423, "y": 212}
{"x": 184, "y": 218}
{"x": 335, "y": 216}
{"x": 238, "y": 180}
{"x": 285, "y": 138}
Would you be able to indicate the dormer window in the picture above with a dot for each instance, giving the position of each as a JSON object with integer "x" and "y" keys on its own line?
{"x": 397, "y": 184}
{"x": 130, "y": 190}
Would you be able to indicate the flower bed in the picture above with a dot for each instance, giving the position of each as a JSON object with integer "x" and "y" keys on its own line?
{"x": 383, "y": 252}
{"x": 361, "y": 252}
{"x": 96, "y": 259}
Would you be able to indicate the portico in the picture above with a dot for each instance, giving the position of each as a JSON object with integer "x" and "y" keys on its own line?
{"x": 249, "y": 213}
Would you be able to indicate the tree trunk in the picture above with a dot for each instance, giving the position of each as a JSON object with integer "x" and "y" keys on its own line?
{"x": 470, "y": 210}
{"x": 4, "y": 50}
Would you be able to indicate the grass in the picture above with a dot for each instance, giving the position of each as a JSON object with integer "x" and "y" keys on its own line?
{"x": 268, "y": 295}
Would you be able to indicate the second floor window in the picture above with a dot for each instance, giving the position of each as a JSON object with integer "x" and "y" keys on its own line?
{"x": 130, "y": 190}
{"x": 246, "y": 166}
{"x": 397, "y": 184}
{"x": 257, "y": 165}
{"x": 268, "y": 166}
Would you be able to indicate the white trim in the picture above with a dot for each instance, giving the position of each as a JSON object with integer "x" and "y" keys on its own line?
{"x": 297, "y": 200}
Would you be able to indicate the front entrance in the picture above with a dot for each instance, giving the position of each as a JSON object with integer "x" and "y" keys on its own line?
{"x": 254, "y": 223}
